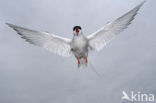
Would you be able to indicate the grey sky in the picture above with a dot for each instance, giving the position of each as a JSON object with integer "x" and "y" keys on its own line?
{"x": 29, "y": 74}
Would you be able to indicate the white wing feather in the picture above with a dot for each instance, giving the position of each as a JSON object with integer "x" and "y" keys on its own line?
{"x": 101, "y": 37}
{"x": 51, "y": 42}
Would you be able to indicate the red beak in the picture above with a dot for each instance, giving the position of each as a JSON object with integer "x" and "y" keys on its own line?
{"x": 77, "y": 31}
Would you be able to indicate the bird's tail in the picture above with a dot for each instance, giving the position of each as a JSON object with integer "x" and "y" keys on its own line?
{"x": 84, "y": 64}
{"x": 92, "y": 67}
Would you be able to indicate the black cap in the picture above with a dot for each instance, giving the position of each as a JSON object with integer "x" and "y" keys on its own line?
{"x": 76, "y": 27}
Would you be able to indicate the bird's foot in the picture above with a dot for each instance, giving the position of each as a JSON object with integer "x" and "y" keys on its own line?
{"x": 86, "y": 60}
{"x": 78, "y": 60}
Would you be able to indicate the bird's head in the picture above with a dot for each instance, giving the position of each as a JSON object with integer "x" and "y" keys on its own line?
{"x": 77, "y": 30}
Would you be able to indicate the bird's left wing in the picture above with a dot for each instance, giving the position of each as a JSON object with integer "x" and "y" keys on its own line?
{"x": 51, "y": 42}
{"x": 101, "y": 37}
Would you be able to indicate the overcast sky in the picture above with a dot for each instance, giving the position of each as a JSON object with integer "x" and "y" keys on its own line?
{"x": 29, "y": 74}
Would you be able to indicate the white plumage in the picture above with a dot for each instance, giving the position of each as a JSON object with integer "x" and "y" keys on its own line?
{"x": 102, "y": 36}
{"x": 79, "y": 45}
{"x": 46, "y": 40}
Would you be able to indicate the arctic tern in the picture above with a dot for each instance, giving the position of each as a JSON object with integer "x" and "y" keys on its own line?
{"x": 79, "y": 45}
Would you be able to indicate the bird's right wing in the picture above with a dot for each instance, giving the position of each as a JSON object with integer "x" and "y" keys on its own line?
{"x": 51, "y": 42}
{"x": 102, "y": 36}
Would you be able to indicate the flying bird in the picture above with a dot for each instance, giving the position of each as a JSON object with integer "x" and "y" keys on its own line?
{"x": 79, "y": 45}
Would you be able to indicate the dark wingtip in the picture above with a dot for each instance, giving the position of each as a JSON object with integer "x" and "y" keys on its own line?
{"x": 7, "y": 24}
{"x": 142, "y": 3}
{"x": 10, "y": 25}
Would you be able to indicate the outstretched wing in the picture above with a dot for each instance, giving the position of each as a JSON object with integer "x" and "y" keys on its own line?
{"x": 101, "y": 37}
{"x": 51, "y": 42}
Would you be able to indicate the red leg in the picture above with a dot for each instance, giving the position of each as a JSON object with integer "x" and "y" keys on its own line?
{"x": 86, "y": 59}
{"x": 78, "y": 60}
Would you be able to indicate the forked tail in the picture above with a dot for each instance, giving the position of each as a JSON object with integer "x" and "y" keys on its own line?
{"x": 92, "y": 67}
{"x": 83, "y": 63}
